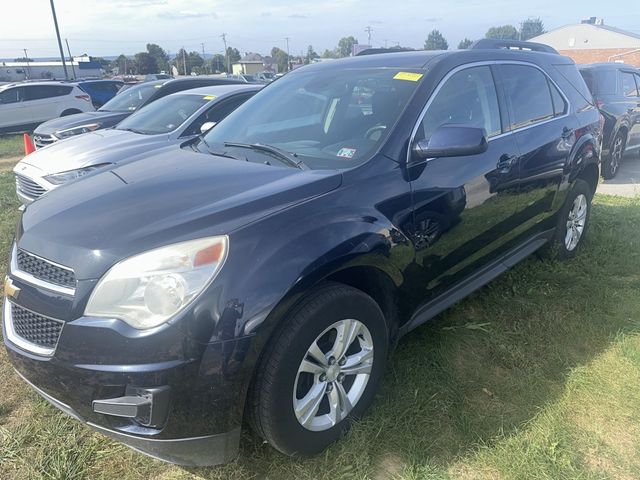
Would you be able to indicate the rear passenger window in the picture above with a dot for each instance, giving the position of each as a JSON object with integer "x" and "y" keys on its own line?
{"x": 559, "y": 105}
{"x": 469, "y": 98}
{"x": 37, "y": 92}
{"x": 629, "y": 88}
{"x": 528, "y": 92}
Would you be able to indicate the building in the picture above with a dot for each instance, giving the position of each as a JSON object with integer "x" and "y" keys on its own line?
{"x": 253, "y": 63}
{"x": 592, "y": 41}
{"x": 83, "y": 67}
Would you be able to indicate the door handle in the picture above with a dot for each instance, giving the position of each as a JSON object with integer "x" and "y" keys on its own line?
{"x": 506, "y": 162}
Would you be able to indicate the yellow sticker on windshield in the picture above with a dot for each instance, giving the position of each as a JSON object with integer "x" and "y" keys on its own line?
{"x": 209, "y": 97}
{"x": 410, "y": 76}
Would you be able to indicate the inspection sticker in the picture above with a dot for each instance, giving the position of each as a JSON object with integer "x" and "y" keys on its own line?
{"x": 346, "y": 153}
{"x": 410, "y": 76}
{"x": 209, "y": 97}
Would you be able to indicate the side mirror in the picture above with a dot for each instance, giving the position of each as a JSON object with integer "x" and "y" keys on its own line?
{"x": 206, "y": 126}
{"x": 452, "y": 140}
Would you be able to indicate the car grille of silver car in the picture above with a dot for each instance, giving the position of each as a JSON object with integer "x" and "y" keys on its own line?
{"x": 28, "y": 187}
{"x": 43, "y": 140}
{"x": 44, "y": 270}
{"x": 34, "y": 328}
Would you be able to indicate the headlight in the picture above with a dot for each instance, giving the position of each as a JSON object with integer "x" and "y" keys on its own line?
{"x": 70, "y": 132}
{"x": 148, "y": 289}
{"x": 64, "y": 177}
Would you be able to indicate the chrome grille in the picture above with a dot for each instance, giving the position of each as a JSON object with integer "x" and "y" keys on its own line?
{"x": 43, "y": 140}
{"x": 44, "y": 270}
{"x": 28, "y": 187}
{"x": 35, "y": 329}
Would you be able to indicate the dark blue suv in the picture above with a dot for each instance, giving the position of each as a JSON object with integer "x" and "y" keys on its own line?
{"x": 266, "y": 270}
{"x": 100, "y": 91}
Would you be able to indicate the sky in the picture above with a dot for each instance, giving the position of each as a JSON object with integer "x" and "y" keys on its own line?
{"x": 111, "y": 27}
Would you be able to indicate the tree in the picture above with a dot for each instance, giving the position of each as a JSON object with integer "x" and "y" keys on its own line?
{"x": 160, "y": 56}
{"x": 330, "y": 53}
{"x": 123, "y": 64}
{"x": 218, "y": 63}
{"x": 531, "y": 27}
{"x": 504, "y": 32}
{"x": 311, "y": 54}
{"x": 345, "y": 46}
{"x": 464, "y": 44}
{"x": 23, "y": 59}
{"x": 145, "y": 63}
{"x": 280, "y": 58}
{"x": 435, "y": 41}
{"x": 195, "y": 63}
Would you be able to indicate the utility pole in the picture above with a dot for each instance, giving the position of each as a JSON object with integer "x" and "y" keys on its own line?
{"x": 184, "y": 60}
{"x": 26, "y": 59}
{"x": 520, "y": 32}
{"x": 226, "y": 52}
{"x": 288, "y": 62}
{"x": 73, "y": 69}
{"x": 385, "y": 42}
{"x": 369, "y": 30}
{"x": 205, "y": 62}
{"x": 55, "y": 22}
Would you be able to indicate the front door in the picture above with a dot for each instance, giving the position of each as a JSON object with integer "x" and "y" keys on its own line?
{"x": 631, "y": 91}
{"x": 463, "y": 206}
{"x": 13, "y": 112}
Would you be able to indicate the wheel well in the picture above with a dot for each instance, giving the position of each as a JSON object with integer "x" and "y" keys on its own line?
{"x": 378, "y": 286}
{"x": 70, "y": 111}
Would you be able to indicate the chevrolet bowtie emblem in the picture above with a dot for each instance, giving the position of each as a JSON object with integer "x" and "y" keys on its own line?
{"x": 10, "y": 290}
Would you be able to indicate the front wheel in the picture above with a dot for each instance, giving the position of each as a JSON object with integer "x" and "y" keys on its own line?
{"x": 321, "y": 370}
{"x": 573, "y": 221}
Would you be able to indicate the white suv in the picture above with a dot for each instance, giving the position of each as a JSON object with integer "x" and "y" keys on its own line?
{"x": 24, "y": 105}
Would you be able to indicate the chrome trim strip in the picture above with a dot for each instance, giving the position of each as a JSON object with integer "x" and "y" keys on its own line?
{"x": 28, "y": 278}
{"x": 481, "y": 64}
{"x": 16, "y": 339}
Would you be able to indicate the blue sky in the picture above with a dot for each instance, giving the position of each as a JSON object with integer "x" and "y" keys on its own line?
{"x": 110, "y": 27}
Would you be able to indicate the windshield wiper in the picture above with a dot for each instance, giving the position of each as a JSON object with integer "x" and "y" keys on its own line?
{"x": 286, "y": 157}
{"x": 217, "y": 154}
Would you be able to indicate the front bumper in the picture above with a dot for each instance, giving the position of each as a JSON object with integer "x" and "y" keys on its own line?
{"x": 190, "y": 451}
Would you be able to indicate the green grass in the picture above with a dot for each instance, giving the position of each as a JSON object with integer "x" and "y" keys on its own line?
{"x": 11, "y": 146}
{"x": 535, "y": 376}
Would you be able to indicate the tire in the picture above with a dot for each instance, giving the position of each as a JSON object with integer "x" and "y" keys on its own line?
{"x": 565, "y": 245}
{"x": 279, "y": 383}
{"x": 614, "y": 159}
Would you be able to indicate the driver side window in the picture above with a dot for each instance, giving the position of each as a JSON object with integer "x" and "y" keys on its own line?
{"x": 468, "y": 98}
{"x": 11, "y": 95}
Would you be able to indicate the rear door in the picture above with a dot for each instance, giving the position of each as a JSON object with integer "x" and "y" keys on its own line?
{"x": 464, "y": 206}
{"x": 544, "y": 131}
{"x": 630, "y": 85}
{"x": 46, "y": 101}
{"x": 12, "y": 108}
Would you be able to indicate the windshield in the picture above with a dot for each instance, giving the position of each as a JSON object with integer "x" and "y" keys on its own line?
{"x": 130, "y": 99}
{"x": 165, "y": 114}
{"x": 328, "y": 119}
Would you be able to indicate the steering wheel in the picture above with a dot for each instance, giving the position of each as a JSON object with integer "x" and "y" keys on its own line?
{"x": 372, "y": 130}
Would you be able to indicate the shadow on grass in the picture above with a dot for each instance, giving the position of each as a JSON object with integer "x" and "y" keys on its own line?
{"x": 484, "y": 368}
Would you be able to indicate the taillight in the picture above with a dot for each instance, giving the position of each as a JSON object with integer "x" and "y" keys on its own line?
{"x": 84, "y": 97}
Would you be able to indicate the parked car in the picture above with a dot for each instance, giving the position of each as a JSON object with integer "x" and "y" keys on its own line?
{"x": 167, "y": 121}
{"x": 101, "y": 91}
{"x": 616, "y": 90}
{"x": 157, "y": 76}
{"x": 24, "y": 105}
{"x": 268, "y": 272}
{"x": 266, "y": 77}
{"x": 118, "y": 108}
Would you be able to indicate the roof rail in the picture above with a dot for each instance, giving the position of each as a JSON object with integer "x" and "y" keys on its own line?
{"x": 374, "y": 51}
{"x": 489, "y": 43}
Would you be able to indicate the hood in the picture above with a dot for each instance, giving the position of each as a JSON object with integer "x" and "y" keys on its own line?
{"x": 94, "y": 148}
{"x": 165, "y": 198}
{"x": 105, "y": 119}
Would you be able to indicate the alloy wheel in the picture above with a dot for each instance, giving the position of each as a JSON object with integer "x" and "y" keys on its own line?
{"x": 616, "y": 155}
{"x": 576, "y": 222}
{"x": 333, "y": 375}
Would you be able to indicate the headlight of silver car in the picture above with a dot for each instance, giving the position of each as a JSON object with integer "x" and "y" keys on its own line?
{"x": 70, "y": 132}
{"x": 64, "y": 177}
{"x": 146, "y": 290}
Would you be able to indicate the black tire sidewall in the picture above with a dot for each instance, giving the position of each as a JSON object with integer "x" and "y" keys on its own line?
{"x": 286, "y": 433}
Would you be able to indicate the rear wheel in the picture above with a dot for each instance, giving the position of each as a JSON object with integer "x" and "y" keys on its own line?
{"x": 573, "y": 221}
{"x": 321, "y": 370}
{"x": 614, "y": 159}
